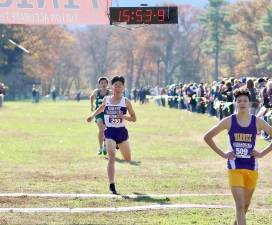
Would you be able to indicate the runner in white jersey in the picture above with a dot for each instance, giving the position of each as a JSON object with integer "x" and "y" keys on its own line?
{"x": 115, "y": 108}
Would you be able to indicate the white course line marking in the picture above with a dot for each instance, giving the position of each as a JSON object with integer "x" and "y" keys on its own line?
{"x": 77, "y": 195}
{"x": 119, "y": 209}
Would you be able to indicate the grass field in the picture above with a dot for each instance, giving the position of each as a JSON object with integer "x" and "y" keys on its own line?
{"x": 49, "y": 148}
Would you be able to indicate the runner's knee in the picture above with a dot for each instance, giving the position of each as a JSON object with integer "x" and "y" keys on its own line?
{"x": 240, "y": 206}
{"x": 247, "y": 206}
{"x": 127, "y": 158}
{"x": 111, "y": 157}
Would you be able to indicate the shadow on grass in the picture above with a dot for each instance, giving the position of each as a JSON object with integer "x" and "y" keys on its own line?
{"x": 134, "y": 163}
{"x": 140, "y": 197}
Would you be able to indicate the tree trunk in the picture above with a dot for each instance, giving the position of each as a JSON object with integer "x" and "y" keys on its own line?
{"x": 216, "y": 72}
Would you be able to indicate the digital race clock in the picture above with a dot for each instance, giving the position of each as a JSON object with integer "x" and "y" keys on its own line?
{"x": 144, "y": 15}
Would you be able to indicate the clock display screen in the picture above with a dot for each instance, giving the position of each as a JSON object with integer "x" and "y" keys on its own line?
{"x": 144, "y": 15}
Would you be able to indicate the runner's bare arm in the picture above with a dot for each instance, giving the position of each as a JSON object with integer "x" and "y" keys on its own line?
{"x": 263, "y": 125}
{"x": 208, "y": 137}
{"x": 132, "y": 115}
{"x": 92, "y": 98}
{"x": 99, "y": 110}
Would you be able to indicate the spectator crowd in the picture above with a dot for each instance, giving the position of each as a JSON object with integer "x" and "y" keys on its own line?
{"x": 216, "y": 98}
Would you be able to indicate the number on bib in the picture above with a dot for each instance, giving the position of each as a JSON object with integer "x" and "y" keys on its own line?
{"x": 115, "y": 120}
{"x": 242, "y": 153}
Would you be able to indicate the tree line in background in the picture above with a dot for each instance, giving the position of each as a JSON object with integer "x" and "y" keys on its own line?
{"x": 222, "y": 40}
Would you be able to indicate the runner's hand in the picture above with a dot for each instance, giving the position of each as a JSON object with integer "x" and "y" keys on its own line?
{"x": 257, "y": 154}
{"x": 229, "y": 155}
{"x": 89, "y": 119}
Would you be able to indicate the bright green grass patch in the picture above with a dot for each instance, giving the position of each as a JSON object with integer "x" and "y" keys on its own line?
{"x": 48, "y": 147}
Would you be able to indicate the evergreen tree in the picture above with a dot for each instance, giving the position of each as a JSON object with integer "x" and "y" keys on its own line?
{"x": 218, "y": 27}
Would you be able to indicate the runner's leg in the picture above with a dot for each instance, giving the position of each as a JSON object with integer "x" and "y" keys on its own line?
{"x": 248, "y": 196}
{"x": 101, "y": 128}
{"x": 110, "y": 145}
{"x": 125, "y": 150}
{"x": 239, "y": 198}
